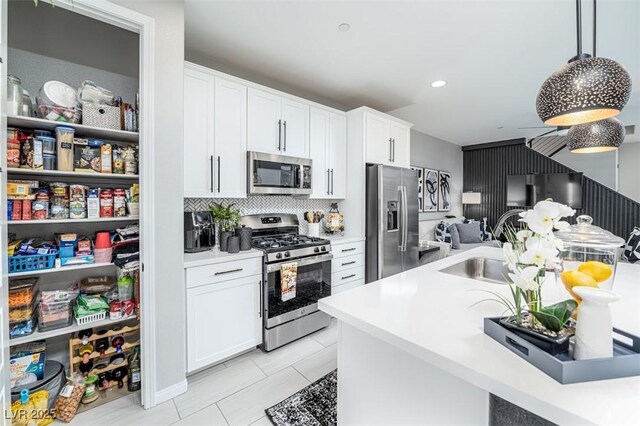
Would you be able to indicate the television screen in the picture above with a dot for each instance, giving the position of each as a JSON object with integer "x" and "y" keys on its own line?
{"x": 527, "y": 190}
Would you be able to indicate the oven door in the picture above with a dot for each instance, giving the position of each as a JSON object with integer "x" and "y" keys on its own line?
{"x": 278, "y": 174}
{"x": 312, "y": 284}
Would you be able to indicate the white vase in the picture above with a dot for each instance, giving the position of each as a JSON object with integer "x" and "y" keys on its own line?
{"x": 313, "y": 230}
{"x": 594, "y": 329}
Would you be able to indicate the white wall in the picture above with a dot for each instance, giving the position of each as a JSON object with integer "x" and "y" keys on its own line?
{"x": 168, "y": 174}
{"x": 600, "y": 167}
{"x": 629, "y": 170}
{"x": 434, "y": 153}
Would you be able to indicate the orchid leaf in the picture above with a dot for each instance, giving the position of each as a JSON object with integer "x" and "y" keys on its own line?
{"x": 555, "y": 317}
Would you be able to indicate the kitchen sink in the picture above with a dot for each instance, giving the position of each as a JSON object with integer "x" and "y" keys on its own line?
{"x": 481, "y": 269}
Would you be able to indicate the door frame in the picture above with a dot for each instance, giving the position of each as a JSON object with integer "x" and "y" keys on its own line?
{"x": 143, "y": 25}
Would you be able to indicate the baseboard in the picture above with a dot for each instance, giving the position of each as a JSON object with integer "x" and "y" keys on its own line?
{"x": 171, "y": 392}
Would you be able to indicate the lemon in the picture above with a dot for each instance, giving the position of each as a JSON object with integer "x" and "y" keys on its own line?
{"x": 598, "y": 270}
{"x": 574, "y": 278}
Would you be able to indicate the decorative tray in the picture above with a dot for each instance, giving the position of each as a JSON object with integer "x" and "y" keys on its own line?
{"x": 562, "y": 367}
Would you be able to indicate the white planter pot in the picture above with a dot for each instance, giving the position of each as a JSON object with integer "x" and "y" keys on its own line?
{"x": 594, "y": 328}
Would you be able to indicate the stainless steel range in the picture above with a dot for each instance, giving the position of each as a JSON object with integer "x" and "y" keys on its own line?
{"x": 287, "y": 318}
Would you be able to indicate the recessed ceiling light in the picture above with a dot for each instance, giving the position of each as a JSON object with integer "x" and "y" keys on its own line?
{"x": 500, "y": 127}
{"x": 438, "y": 83}
{"x": 344, "y": 27}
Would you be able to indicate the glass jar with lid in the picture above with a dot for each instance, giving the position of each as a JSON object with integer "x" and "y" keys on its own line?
{"x": 589, "y": 255}
{"x": 14, "y": 95}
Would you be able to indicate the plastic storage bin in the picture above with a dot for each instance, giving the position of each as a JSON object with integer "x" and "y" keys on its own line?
{"x": 21, "y": 329}
{"x": 55, "y": 315}
{"x": 53, "y": 382}
{"x": 22, "y": 292}
{"x": 34, "y": 262}
{"x": 91, "y": 318}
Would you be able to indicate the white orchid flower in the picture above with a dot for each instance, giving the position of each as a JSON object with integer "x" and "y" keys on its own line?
{"x": 565, "y": 211}
{"x": 510, "y": 256}
{"x": 525, "y": 278}
{"x": 538, "y": 252}
{"x": 546, "y": 216}
{"x": 523, "y": 235}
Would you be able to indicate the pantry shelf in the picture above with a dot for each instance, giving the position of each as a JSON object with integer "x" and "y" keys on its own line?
{"x": 85, "y": 176}
{"x": 81, "y": 130}
{"x": 37, "y": 335}
{"x": 59, "y": 270}
{"x": 71, "y": 221}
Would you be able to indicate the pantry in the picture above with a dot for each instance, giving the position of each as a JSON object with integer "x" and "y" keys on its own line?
{"x": 75, "y": 199}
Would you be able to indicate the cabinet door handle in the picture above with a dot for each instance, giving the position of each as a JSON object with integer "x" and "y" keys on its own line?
{"x": 260, "y": 304}
{"x": 228, "y": 272}
{"x": 211, "y": 161}
{"x": 390, "y": 148}
{"x": 279, "y": 135}
{"x": 349, "y": 249}
{"x": 284, "y": 124}
{"x": 328, "y": 182}
{"x": 331, "y": 181}
{"x": 218, "y": 173}
{"x": 394, "y": 149}
{"x": 348, "y": 276}
{"x": 349, "y": 263}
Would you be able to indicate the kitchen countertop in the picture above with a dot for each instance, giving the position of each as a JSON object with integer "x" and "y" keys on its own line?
{"x": 211, "y": 257}
{"x": 432, "y": 316}
{"x": 342, "y": 239}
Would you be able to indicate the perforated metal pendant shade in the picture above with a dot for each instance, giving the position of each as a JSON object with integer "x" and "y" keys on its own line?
{"x": 599, "y": 136}
{"x": 583, "y": 91}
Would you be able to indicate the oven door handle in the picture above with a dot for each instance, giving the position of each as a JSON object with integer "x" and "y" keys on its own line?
{"x": 302, "y": 262}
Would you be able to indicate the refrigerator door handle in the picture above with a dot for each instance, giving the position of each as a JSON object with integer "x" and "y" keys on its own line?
{"x": 405, "y": 218}
{"x": 401, "y": 222}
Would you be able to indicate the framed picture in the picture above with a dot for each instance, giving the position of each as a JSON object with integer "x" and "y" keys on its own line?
{"x": 444, "y": 196}
{"x": 420, "y": 188}
{"x": 430, "y": 190}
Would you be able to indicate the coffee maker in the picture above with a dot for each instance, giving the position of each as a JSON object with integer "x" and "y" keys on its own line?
{"x": 199, "y": 231}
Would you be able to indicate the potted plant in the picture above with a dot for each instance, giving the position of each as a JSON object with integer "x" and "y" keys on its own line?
{"x": 226, "y": 219}
{"x": 530, "y": 251}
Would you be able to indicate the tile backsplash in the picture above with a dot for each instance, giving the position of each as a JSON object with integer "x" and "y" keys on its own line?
{"x": 259, "y": 204}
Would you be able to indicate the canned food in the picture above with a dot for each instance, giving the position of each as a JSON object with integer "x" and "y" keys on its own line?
{"x": 106, "y": 203}
{"x": 59, "y": 189}
{"x": 77, "y": 192}
{"x": 40, "y": 209}
{"x": 59, "y": 208}
{"x": 77, "y": 209}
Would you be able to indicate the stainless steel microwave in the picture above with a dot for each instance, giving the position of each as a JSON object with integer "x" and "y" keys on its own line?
{"x": 270, "y": 174}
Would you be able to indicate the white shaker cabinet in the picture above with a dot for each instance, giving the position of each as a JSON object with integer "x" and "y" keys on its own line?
{"x": 223, "y": 315}
{"x": 198, "y": 134}
{"x": 277, "y": 125}
{"x": 328, "y": 150}
{"x": 230, "y": 139}
{"x": 386, "y": 140}
{"x": 215, "y": 135}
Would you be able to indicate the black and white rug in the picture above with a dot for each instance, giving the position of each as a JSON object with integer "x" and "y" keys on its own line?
{"x": 314, "y": 405}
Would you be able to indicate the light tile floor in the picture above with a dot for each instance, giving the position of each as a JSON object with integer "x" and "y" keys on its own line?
{"x": 234, "y": 393}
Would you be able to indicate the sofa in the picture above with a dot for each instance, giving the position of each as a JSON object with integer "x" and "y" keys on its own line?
{"x": 428, "y": 233}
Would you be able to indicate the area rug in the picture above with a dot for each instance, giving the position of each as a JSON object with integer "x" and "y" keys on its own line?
{"x": 314, "y": 405}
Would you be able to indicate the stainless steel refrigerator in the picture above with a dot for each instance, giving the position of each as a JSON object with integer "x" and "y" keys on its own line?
{"x": 391, "y": 221}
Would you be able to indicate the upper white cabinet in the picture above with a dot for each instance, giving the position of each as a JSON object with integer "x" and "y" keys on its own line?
{"x": 277, "y": 125}
{"x": 386, "y": 140}
{"x": 215, "y": 135}
{"x": 328, "y": 150}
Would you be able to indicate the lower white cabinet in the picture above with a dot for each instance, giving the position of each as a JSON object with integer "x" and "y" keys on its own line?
{"x": 223, "y": 319}
{"x": 347, "y": 265}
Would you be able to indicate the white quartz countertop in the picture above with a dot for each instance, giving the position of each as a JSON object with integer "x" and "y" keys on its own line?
{"x": 342, "y": 239}
{"x": 216, "y": 256}
{"x": 430, "y": 315}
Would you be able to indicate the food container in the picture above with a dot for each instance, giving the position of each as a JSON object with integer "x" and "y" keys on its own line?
{"x": 589, "y": 256}
{"x": 64, "y": 148}
{"x": 27, "y": 363}
{"x": 13, "y": 153}
{"x": 93, "y": 203}
{"x": 14, "y": 95}
{"x": 77, "y": 209}
{"x": 22, "y": 292}
{"x": 119, "y": 203}
{"x": 87, "y": 158}
{"x": 20, "y": 329}
{"x": 55, "y": 315}
{"x": 38, "y": 133}
{"x": 134, "y": 209}
{"x": 105, "y": 158}
{"x": 40, "y": 210}
{"x": 50, "y": 161}
{"x": 56, "y": 113}
{"x": 49, "y": 144}
{"x": 106, "y": 203}
{"x": 21, "y": 313}
{"x": 117, "y": 163}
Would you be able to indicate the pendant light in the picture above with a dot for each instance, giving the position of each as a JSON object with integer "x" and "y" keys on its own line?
{"x": 586, "y": 89}
{"x": 599, "y": 136}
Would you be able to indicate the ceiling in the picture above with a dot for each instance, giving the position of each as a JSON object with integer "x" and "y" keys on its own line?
{"x": 493, "y": 54}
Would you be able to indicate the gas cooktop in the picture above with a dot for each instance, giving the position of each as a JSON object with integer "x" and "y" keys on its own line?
{"x": 286, "y": 242}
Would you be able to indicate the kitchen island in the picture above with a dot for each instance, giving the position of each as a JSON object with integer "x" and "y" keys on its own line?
{"x": 412, "y": 350}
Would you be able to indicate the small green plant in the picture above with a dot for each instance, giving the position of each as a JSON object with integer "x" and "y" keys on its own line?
{"x": 555, "y": 317}
{"x": 226, "y": 217}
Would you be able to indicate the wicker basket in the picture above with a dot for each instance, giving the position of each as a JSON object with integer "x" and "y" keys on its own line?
{"x": 103, "y": 116}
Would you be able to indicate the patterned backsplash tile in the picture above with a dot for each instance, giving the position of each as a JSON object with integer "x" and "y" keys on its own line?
{"x": 258, "y": 204}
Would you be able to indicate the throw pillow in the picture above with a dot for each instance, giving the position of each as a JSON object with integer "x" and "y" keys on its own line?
{"x": 469, "y": 232}
{"x": 442, "y": 232}
{"x": 632, "y": 248}
{"x": 455, "y": 236}
{"x": 484, "y": 228}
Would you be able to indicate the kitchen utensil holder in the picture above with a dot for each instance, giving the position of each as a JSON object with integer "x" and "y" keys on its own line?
{"x": 313, "y": 230}
{"x": 562, "y": 367}
{"x": 245, "y": 234}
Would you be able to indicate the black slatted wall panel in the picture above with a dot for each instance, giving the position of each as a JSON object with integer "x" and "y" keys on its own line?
{"x": 486, "y": 168}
